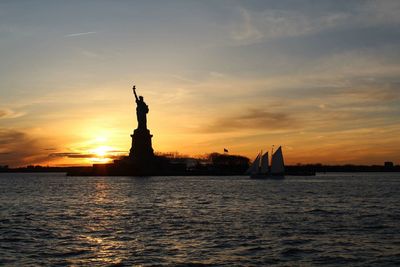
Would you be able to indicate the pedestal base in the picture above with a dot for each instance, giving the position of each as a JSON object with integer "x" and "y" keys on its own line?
{"x": 141, "y": 151}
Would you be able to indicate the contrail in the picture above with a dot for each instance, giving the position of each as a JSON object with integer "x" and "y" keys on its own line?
{"x": 78, "y": 34}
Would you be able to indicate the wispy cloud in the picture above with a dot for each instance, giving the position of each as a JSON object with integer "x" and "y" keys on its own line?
{"x": 71, "y": 155}
{"x": 247, "y": 30}
{"x": 17, "y": 147}
{"x": 250, "y": 119}
{"x": 6, "y": 113}
{"x": 112, "y": 154}
{"x": 256, "y": 26}
{"x": 252, "y": 26}
{"x": 79, "y": 34}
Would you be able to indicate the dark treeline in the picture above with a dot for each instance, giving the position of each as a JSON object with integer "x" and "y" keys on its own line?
{"x": 39, "y": 168}
{"x": 345, "y": 168}
{"x": 223, "y": 164}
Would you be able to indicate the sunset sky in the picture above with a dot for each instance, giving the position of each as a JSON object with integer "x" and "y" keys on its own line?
{"x": 320, "y": 78}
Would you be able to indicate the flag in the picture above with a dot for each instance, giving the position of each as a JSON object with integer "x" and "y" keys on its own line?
{"x": 226, "y": 150}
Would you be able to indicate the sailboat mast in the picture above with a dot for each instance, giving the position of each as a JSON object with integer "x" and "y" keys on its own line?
{"x": 272, "y": 153}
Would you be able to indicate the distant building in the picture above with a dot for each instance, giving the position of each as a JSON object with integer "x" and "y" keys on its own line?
{"x": 388, "y": 164}
{"x": 3, "y": 168}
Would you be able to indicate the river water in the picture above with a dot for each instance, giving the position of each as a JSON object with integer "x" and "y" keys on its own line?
{"x": 335, "y": 219}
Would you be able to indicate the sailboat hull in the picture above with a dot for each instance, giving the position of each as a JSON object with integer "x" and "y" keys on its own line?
{"x": 267, "y": 176}
{"x": 277, "y": 176}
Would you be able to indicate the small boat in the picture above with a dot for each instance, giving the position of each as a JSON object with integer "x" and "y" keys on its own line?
{"x": 260, "y": 169}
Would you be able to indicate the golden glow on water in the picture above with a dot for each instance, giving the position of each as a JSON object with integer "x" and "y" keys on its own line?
{"x": 100, "y": 194}
{"x": 98, "y": 234}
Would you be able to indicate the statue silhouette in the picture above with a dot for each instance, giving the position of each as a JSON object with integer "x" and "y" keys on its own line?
{"x": 141, "y": 110}
{"x": 141, "y": 151}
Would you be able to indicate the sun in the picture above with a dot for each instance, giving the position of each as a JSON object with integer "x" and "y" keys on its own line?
{"x": 101, "y": 151}
{"x": 101, "y": 154}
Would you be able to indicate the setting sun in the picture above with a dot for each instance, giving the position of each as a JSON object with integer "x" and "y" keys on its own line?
{"x": 101, "y": 154}
{"x": 101, "y": 151}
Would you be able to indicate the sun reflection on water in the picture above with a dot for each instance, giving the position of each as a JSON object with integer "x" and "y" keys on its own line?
{"x": 101, "y": 228}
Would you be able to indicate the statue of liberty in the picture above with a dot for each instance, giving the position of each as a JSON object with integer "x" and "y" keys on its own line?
{"x": 141, "y": 110}
{"x": 141, "y": 152}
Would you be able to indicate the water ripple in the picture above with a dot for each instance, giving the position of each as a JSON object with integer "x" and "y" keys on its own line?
{"x": 51, "y": 219}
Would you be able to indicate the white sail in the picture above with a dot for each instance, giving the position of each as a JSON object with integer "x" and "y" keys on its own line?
{"x": 264, "y": 163}
{"x": 277, "y": 163}
{"x": 254, "y": 168}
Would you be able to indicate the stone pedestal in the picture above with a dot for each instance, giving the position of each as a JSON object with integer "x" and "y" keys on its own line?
{"x": 141, "y": 152}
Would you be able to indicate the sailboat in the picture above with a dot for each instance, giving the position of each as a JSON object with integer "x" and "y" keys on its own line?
{"x": 260, "y": 169}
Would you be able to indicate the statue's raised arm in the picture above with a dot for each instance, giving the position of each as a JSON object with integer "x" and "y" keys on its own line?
{"x": 134, "y": 92}
{"x": 141, "y": 110}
